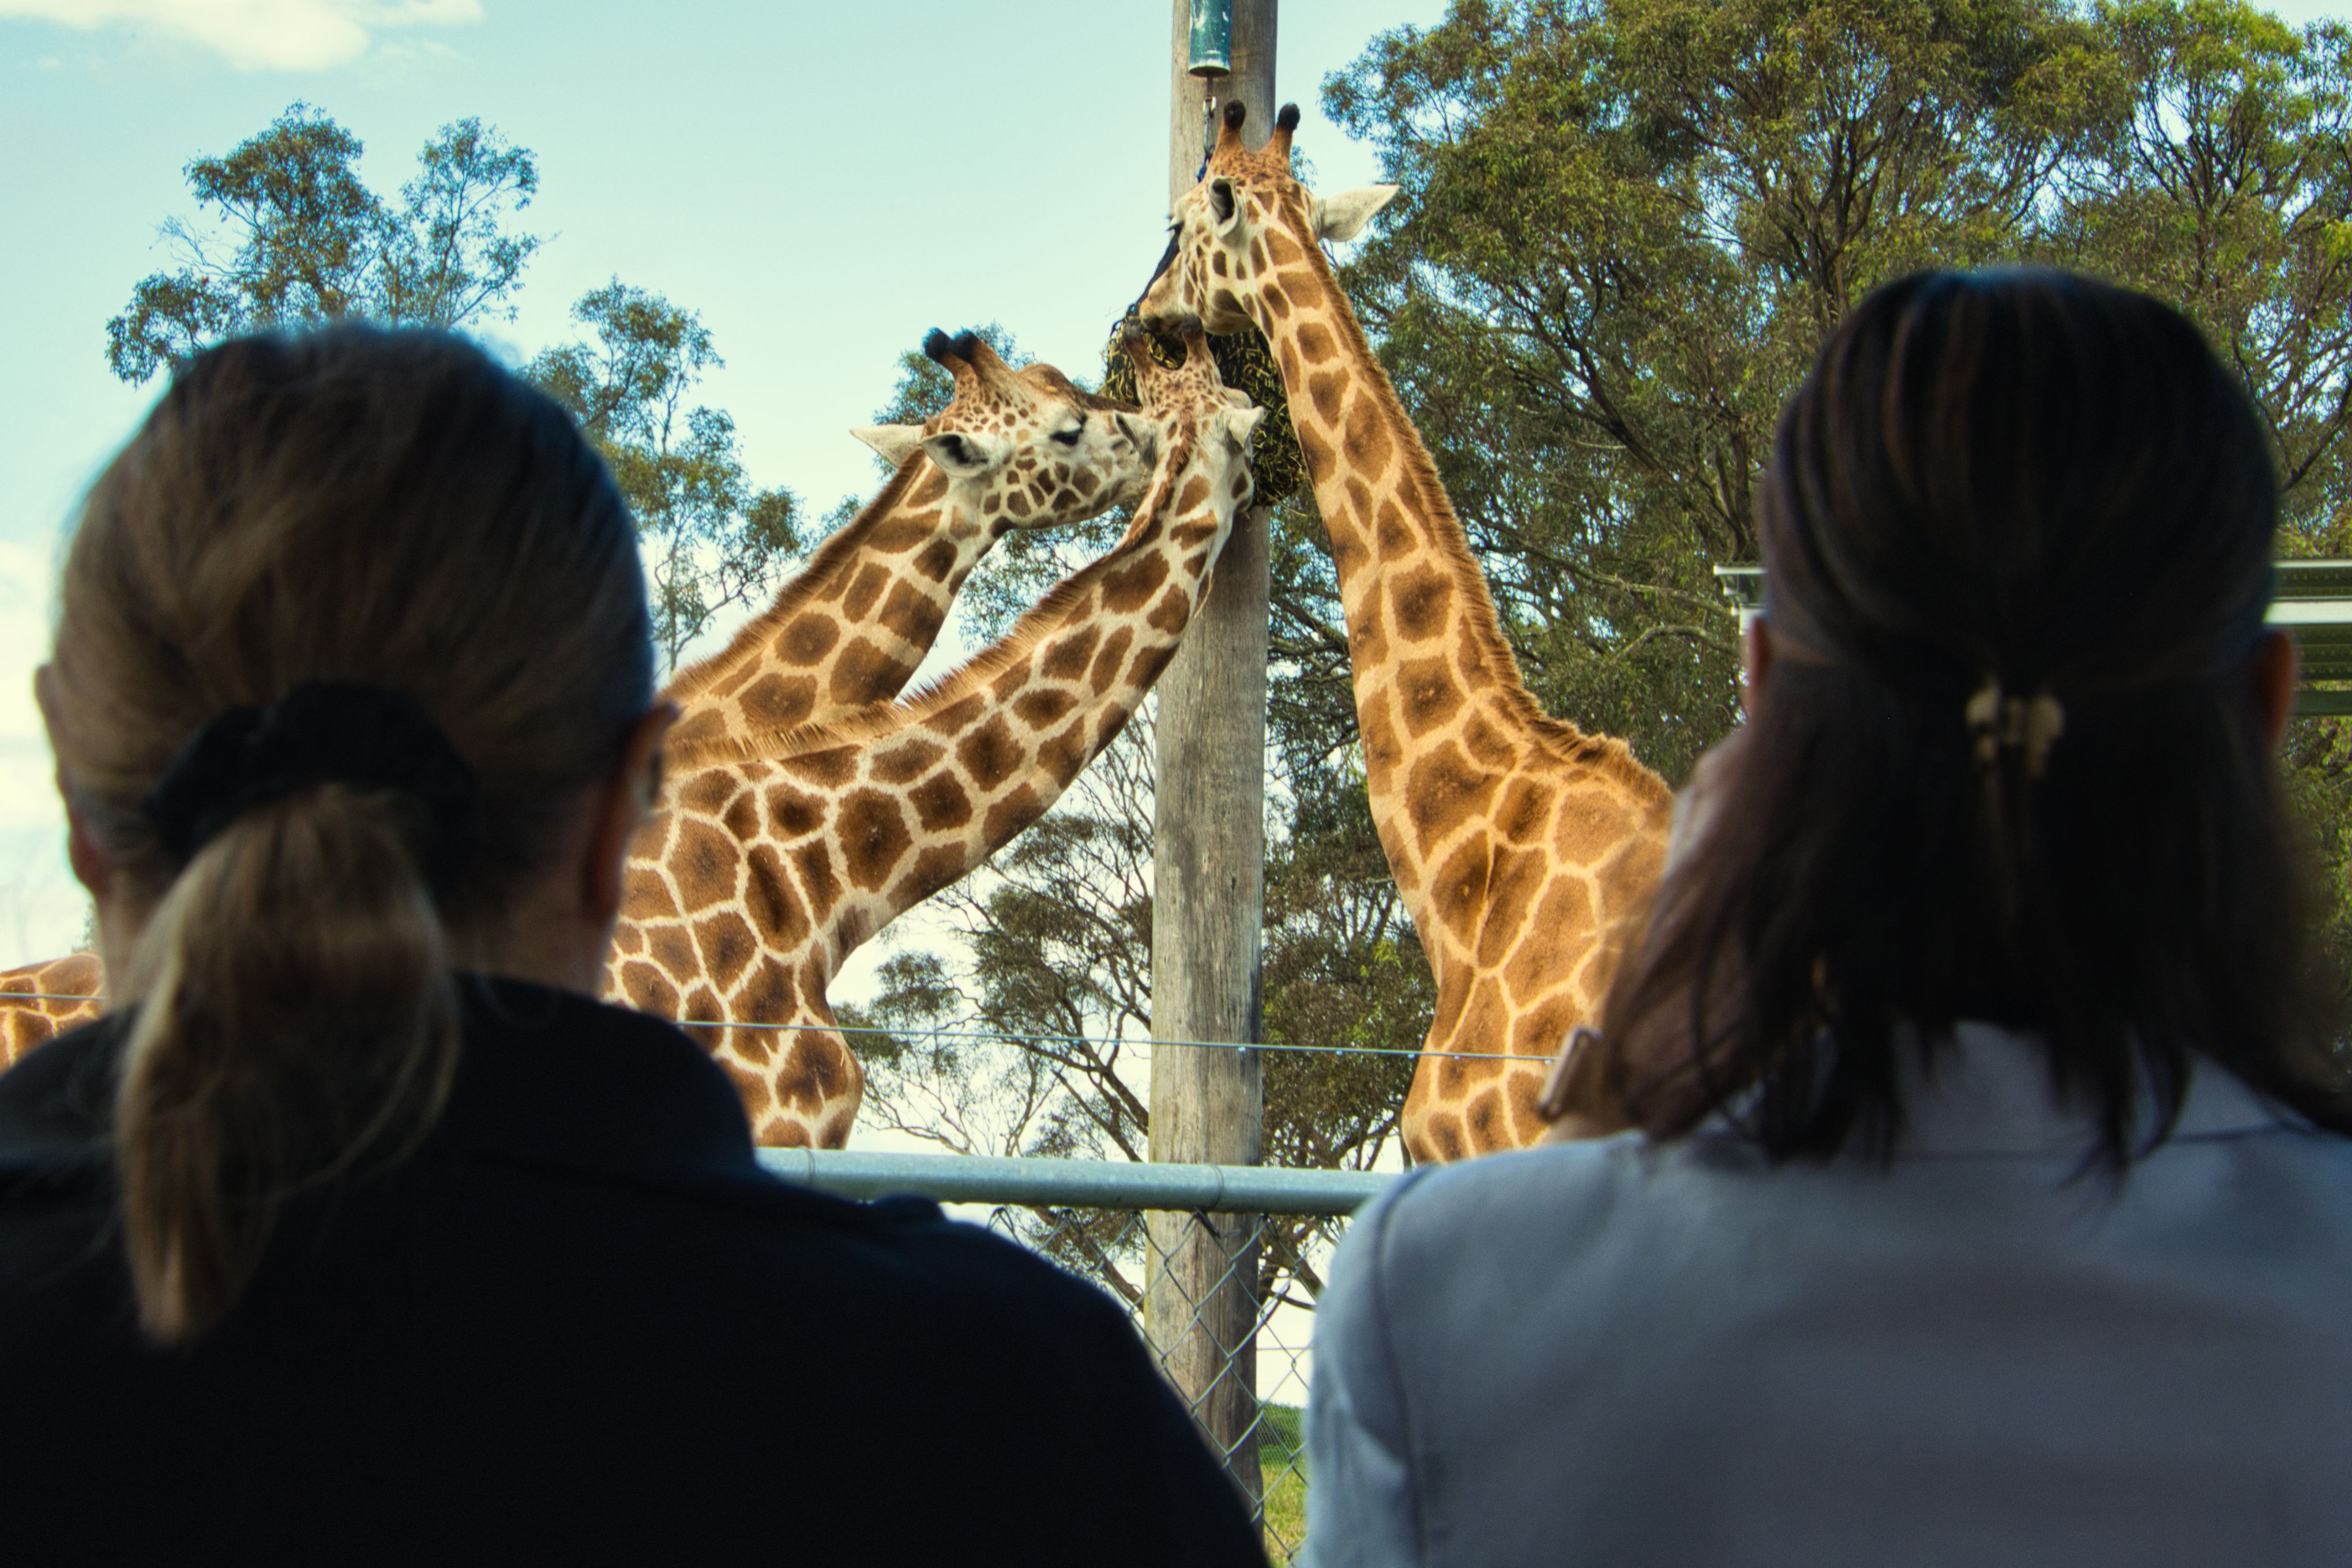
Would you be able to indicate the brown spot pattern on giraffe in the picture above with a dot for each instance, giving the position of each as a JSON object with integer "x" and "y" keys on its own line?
{"x": 707, "y": 791}
{"x": 865, "y": 591}
{"x": 934, "y": 868}
{"x": 1044, "y": 706}
{"x": 1065, "y": 656}
{"x": 910, "y": 614}
{"x": 1168, "y": 616}
{"x": 813, "y": 861}
{"x": 990, "y": 754}
{"x": 704, "y": 863}
{"x": 727, "y": 946}
{"x": 1110, "y": 659}
{"x": 779, "y": 701}
{"x": 873, "y": 837}
{"x": 908, "y": 759}
{"x": 1443, "y": 790}
{"x": 826, "y": 769}
{"x": 1421, "y": 600}
{"x": 808, "y": 638}
{"x": 773, "y": 902}
{"x": 1369, "y": 443}
{"x": 863, "y": 672}
{"x": 1328, "y": 392}
{"x": 793, "y": 814}
{"x": 1012, "y": 814}
{"x": 1425, "y": 688}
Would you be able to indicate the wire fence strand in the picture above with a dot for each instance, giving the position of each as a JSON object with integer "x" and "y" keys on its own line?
{"x": 983, "y": 1035}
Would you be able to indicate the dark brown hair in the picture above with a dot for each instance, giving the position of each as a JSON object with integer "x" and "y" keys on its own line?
{"x": 353, "y": 505}
{"x": 2035, "y": 481}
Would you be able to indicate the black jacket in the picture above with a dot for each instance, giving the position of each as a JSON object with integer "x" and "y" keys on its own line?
{"x": 580, "y": 1325}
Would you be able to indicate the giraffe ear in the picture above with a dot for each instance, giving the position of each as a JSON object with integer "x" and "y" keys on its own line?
{"x": 896, "y": 442}
{"x": 966, "y": 454}
{"x": 1342, "y": 218}
{"x": 1241, "y": 423}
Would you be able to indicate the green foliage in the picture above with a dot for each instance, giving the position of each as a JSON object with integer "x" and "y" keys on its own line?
{"x": 2224, "y": 185}
{"x": 711, "y": 539}
{"x": 291, "y": 236}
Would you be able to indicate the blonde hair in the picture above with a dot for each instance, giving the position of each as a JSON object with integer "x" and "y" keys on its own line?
{"x": 353, "y": 505}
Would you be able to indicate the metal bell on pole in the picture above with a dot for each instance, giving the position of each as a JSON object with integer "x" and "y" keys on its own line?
{"x": 1212, "y": 49}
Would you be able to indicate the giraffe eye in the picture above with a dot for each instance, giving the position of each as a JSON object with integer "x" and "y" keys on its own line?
{"x": 1069, "y": 437}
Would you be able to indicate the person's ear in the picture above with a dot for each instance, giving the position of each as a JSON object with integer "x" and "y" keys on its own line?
{"x": 2272, "y": 673}
{"x": 1754, "y": 657}
{"x": 619, "y": 811}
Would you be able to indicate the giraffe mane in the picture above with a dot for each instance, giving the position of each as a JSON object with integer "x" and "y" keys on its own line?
{"x": 889, "y": 719}
{"x": 1559, "y": 737}
{"x": 837, "y": 548}
{"x": 1078, "y": 394}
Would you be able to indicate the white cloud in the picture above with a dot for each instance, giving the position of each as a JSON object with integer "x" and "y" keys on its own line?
{"x": 256, "y": 35}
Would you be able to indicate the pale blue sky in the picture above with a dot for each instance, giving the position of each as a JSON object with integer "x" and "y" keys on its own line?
{"x": 822, "y": 182}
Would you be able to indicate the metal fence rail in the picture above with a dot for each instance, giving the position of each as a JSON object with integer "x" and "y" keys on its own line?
{"x": 1089, "y": 1216}
{"x": 1078, "y": 1184}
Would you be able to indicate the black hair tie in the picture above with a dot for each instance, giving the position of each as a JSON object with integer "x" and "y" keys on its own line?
{"x": 322, "y": 732}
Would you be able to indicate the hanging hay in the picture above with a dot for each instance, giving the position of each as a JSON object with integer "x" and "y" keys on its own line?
{"x": 1277, "y": 468}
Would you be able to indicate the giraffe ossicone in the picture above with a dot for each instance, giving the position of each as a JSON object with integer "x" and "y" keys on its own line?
{"x": 1525, "y": 849}
{"x": 777, "y": 852}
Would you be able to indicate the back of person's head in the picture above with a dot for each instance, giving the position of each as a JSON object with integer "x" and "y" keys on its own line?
{"x": 351, "y": 538}
{"x": 2006, "y": 761}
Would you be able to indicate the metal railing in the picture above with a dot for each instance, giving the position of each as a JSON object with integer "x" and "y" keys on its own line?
{"x": 2313, "y": 602}
{"x": 1114, "y": 1223}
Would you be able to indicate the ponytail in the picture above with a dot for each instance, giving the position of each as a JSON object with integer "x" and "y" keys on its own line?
{"x": 296, "y": 1018}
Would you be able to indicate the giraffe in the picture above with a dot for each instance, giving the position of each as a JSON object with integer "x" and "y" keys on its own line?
{"x": 778, "y": 855}
{"x": 40, "y": 1001}
{"x": 1011, "y": 449}
{"x": 1524, "y": 849}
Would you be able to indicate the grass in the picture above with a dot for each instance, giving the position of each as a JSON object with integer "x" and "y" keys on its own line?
{"x": 1282, "y": 1460}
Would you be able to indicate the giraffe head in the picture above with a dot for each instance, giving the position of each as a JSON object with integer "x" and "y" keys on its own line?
{"x": 1025, "y": 448}
{"x": 1200, "y": 418}
{"x": 1241, "y": 239}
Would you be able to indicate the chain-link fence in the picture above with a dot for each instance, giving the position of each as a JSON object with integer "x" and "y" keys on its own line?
{"x": 1217, "y": 1264}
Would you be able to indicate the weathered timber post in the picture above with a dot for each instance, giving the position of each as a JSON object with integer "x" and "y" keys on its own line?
{"x": 1201, "y": 1309}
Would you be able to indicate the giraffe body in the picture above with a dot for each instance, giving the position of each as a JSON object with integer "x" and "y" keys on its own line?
{"x": 776, "y": 855}
{"x": 1524, "y": 849}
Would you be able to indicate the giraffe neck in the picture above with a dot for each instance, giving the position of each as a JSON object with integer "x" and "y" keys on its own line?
{"x": 851, "y": 626}
{"x": 1439, "y": 696}
{"x": 836, "y": 830}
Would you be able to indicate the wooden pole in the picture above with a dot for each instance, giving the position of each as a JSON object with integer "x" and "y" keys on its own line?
{"x": 1201, "y": 1306}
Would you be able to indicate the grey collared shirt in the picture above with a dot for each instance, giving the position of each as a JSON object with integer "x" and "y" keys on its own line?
{"x": 1610, "y": 1352}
